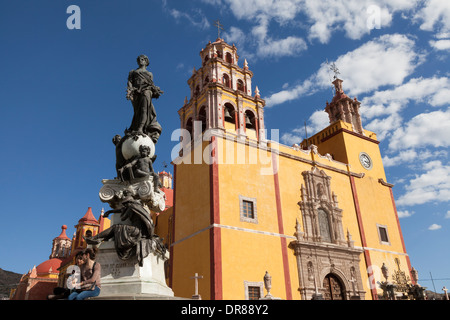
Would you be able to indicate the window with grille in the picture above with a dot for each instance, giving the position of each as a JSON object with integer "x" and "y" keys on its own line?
{"x": 248, "y": 209}
{"x": 383, "y": 234}
{"x": 253, "y": 290}
{"x": 254, "y": 293}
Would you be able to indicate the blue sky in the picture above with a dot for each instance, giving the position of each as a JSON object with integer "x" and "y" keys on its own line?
{"x": 62, "y": 96}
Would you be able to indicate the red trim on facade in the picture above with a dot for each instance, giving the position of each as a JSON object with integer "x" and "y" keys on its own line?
{"x": 284, "y": 246}
{"x": 173, "y": 226}
{"x": 215, "y": 233}
{"x": 363, "y": 240}
{"x": 401, "y": 235}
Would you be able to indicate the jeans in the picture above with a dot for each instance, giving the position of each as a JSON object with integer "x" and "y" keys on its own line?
{"x": 84, "y": 294}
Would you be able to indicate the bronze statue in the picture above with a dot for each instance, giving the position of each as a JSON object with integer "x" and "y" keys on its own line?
{"x": 141, "y": 90}
{"x": 129, "y": 240}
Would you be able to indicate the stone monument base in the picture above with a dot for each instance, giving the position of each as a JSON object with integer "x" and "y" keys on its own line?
{"x": 126, "y": 280}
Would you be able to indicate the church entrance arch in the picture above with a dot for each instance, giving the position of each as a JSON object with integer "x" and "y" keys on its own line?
{"x": 333, "y": 288}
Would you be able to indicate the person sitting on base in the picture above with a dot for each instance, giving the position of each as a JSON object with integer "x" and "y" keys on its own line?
{"x": 90, "y": 277}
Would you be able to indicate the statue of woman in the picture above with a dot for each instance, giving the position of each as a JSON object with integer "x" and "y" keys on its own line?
{"x": 141, "y": 90}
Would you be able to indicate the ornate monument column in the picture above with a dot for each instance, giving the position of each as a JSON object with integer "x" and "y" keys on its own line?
{"x": 132, "y": 256}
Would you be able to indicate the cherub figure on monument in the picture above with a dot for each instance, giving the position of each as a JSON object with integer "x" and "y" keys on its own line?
{"x": 140, "y": 91}
{"x": 139, "y": 167}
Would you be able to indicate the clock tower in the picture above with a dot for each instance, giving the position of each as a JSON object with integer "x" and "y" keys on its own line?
{"x": 345, "y": 141}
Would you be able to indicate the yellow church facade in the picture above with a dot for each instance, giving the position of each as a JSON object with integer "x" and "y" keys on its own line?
{"x": 319, "y": 217}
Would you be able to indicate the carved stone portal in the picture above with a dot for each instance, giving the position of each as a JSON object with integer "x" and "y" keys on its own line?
{"x": 321, "y": 249}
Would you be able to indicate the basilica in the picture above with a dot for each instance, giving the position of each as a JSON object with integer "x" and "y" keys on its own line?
{"x": 319, "y": 216}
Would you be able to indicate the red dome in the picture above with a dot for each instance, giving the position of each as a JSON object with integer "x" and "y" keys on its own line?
{"x": 44, "y": 267}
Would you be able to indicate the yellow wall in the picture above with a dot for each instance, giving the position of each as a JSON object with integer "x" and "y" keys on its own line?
{"x": 249, "y": 249}
{"x": 191, "y": 252}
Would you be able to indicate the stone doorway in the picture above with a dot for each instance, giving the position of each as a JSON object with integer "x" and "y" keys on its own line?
{"x": 333, "y": 288}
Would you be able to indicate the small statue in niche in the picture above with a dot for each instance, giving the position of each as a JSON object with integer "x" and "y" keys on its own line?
{"x": 321, "y": 191}
{"x": 310, "y": 271}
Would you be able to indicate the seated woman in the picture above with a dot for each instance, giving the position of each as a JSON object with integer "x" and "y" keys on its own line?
{"x": 90, "y": 277}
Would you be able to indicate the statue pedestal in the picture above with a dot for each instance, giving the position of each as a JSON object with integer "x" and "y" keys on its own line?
{"x": 125, "y": 279}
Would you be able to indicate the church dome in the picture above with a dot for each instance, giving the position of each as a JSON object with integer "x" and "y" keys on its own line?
{"x": 48, "y": 266}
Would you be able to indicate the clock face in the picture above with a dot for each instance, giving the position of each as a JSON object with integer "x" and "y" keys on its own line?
{"x": 365, "y": 160}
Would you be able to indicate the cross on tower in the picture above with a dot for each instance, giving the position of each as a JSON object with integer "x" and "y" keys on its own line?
{"x": 219, "y": 27}
{"x": 335, "y": 69}
{"x": 196, "y": 295}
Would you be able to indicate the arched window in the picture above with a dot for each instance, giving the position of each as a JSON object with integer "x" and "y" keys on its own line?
{"x": 229, "y": 113}
{"x": 250, "y": 120}
{"x": 197, "y": 90}
{"x": 240, "y": 85}
{"x": 205, "y": 83}
{"x": 324, "y": 225}
{"x": 228, "y": 57}
{"x": 202, "y": 117}
{"x": 219, "y": 54}
{"x": 189, "y": 127}
{"x": 206, "y": 59}
{"x": 226, "y": 80}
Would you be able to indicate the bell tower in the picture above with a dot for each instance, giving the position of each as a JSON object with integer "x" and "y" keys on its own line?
{"x": 342, "y": 107}
{"x": 221, "y": 95}
{"x": 61, "y": 245}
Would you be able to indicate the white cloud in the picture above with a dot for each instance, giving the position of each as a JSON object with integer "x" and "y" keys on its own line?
{"x": 435, "y": 14}
{"x": 441, "y": 44}
{"x": 425, "y": 129}
{"x": 291, "y": 138}
{"x": 404, "y": 213}
{"x": 412, "y": 156}
{"x": 433, "y": 90}
{"x": 434, "y": 226}
{"x": 196, "y": 17}
{"x": 386, "y": 60}
{"x": 447, "y": 215}
{"x": 305, "y": 88}
{"x": 384, "y": 126}
{"x": 318, "y": 121}
{"x": 280, "y": 10}
{"x": 401, "y": 157}
{"x": 352, "y": 16}
{"x": 235, "y": 35}
{"x": 289, "y": 46}
{"x": 385, "y": 106}
{"x": 431, "y": 186}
